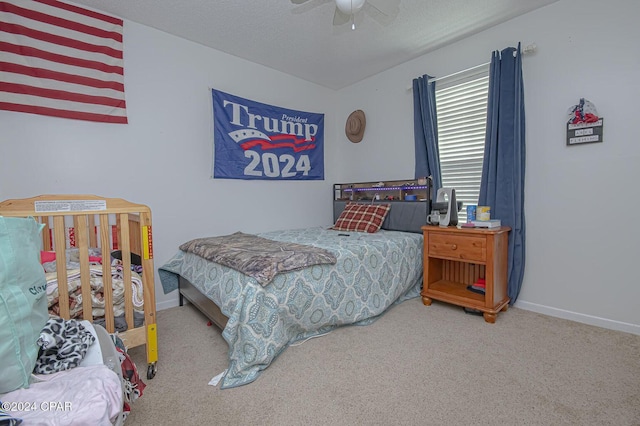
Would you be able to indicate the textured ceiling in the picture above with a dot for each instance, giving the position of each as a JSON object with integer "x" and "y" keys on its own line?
{"x": 298, "y": 37}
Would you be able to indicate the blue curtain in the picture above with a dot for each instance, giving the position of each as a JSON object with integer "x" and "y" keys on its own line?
{"x": 425, "y": 129}
{"x": 502, "y": 185}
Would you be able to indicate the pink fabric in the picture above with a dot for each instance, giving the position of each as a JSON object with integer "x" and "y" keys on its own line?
{"x": 77, "y": 397}
{"x": 50, "y": 256}
{"x": 47, "y": 256}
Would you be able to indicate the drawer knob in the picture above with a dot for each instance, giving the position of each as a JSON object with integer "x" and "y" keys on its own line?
{"x": 454, "y": 246}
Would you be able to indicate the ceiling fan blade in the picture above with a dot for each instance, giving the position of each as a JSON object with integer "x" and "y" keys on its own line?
{"x": 383, "y": 16}
{"x": 306, "y": 5}
{"x": 340, "y": 18}
{"x": 359, "y": 19}
{"x": 385, "y": 7}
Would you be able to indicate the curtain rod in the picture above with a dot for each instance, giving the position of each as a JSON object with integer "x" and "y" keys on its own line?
{"x": 531, "y": 48}
{"x": 460, "y": 72}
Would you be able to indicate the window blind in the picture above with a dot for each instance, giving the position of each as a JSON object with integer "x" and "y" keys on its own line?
{"x": 461, "y": 105}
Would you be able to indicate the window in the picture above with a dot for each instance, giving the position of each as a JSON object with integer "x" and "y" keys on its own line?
{"x": 461, "y": 104}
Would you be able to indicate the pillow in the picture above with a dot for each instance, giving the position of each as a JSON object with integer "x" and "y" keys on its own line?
{"x": 23, "y": 300}
{"x": 362, "y": 217}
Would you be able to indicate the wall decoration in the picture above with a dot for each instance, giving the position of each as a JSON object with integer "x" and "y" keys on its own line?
{"x": 584, "y": 125}
{"x": 61, "y": 60}
{"x": 354, "y": 128}
{"x": 253, "y": 140}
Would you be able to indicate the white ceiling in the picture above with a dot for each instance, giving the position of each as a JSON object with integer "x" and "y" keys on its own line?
{"x": 298, "y": 37}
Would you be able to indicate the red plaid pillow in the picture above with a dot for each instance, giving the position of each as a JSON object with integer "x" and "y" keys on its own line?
{"x": 362, "y": 217}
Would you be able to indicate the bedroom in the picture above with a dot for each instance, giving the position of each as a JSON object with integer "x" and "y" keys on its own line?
{"x": 578, "y": 267}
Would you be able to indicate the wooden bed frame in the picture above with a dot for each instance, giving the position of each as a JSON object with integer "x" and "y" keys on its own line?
{"x": 107, "y": 224}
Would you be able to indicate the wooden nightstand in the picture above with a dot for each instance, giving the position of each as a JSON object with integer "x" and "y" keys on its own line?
{"x": 456, "y": 257}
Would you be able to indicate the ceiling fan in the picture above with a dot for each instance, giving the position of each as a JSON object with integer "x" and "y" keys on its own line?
{"x": 346, "y": 11}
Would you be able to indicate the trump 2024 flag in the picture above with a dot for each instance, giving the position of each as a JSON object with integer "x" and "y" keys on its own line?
{"x": 61, "y": 60}
{"x": 259, "y": 141}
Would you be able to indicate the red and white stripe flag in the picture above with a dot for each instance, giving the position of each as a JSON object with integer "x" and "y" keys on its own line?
{"x": 61, "y": 60}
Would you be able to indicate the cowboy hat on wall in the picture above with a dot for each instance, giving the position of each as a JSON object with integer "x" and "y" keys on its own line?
{"x": 354, "y": 129}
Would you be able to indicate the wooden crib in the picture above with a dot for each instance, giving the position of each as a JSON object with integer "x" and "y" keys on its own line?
{"x": 107, "y": 224}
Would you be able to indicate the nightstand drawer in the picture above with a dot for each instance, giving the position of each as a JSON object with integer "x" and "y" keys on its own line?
{"x": 458, "y": 247}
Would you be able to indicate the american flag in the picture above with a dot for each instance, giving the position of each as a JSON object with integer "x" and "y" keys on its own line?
{"x": 61, "y": 60}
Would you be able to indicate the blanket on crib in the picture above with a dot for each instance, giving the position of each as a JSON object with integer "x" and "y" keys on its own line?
{"x": 97, "y": 292}
{"x": 258, "y": 257}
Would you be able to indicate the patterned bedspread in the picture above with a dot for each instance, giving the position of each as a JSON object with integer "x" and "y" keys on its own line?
{"x": 372, "y": 272}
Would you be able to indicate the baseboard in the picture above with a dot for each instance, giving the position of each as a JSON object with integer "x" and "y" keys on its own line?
{"x": 167, "y": 304}
{"x": 585, "y": 319}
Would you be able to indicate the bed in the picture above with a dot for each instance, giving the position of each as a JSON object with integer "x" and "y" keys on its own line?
{"x": 93, "y": 244}
{"x": 372, "y": 271}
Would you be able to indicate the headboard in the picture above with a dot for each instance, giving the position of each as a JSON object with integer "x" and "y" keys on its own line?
{"x": 407, "y": 216}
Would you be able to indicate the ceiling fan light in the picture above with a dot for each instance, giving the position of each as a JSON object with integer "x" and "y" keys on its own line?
{"x": 349, "y": 7}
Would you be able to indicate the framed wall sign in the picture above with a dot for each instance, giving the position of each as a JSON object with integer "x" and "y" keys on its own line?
{"x": 584, "y": 125}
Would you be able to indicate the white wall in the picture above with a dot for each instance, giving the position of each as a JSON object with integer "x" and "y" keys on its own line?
{"x": 580, "y": 256}
{"x": 581, "y": 201}
{"x": 163, "y": 157}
